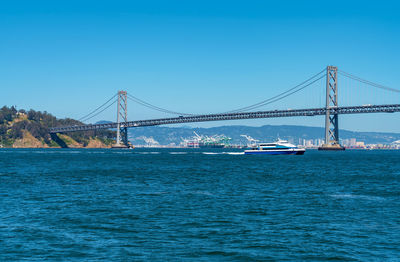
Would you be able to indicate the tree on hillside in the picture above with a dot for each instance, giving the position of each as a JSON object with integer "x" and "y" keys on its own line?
{"x": 38, "y": 124}
{"x": 7, "y": 114}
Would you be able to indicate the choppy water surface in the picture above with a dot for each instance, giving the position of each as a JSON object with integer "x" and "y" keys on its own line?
{"x": 178, "y": 205}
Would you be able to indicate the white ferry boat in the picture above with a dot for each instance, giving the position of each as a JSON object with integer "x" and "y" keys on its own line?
{"x": 280, "y": 147}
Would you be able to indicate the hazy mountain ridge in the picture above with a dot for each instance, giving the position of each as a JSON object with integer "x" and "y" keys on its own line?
{"x": 168, "y": 135}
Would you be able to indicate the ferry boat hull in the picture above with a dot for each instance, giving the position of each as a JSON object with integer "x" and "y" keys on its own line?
{"x": 280, "y": 147}
{"x": 277, "y": 152}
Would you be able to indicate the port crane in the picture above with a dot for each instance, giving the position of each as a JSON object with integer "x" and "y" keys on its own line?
{"x": 251, "y": 140}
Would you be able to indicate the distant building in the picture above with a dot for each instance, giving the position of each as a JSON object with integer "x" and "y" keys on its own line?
{"x": 353, "y": 142}
{"x": 360, "y": 144}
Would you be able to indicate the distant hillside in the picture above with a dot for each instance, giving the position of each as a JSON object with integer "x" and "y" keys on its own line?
{"x": 168, "y": 135}
{"x": 20, "y": 128}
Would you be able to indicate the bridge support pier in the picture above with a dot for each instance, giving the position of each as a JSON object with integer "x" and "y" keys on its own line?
{"x": 122, "y": 119}
{"x": 331, "y": 116}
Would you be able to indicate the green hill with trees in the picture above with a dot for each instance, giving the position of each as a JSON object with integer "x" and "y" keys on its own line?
{"x": 20, "y": 128}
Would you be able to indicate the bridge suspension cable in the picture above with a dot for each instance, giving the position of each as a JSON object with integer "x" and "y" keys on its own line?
{"x": 144, "y": 103}
{"x": 271, "y": 100}
{"x": 113, "y": 103}
{"x": 96, "y": 111}
{"x": 268, "y": 101}
{"x": 367, "y": 82}
{"x": 285, "y": 94}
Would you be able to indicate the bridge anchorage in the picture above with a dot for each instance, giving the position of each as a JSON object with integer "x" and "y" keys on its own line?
{"x": 331, "y": 111}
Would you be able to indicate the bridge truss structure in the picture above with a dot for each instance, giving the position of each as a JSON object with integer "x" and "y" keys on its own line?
{"x": 235, "y": 116}
{"x": 332, "y": 110}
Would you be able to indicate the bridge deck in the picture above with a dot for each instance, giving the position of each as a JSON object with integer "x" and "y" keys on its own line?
{"x": 235, "y": 116}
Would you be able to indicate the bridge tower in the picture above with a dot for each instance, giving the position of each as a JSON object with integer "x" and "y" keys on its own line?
{"x": 331, "y": 118}
{"x": 122, "y": 118}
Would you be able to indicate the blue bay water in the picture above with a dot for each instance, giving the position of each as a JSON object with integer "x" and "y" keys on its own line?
{"x": 185, "y": 205}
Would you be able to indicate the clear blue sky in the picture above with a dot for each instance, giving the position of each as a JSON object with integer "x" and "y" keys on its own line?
{"x": 68, "y": 57}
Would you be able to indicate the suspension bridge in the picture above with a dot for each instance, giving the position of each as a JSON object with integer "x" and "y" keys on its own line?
{"x": 331, "y": 110}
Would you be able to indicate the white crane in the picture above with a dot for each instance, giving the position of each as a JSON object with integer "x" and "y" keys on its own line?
{"x": 251, "y": 140}
{"x": 197, "y": 135}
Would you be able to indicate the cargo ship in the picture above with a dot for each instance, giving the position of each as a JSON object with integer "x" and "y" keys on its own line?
{"x": 201, "y": 141}
{"x": 211, "y": 145}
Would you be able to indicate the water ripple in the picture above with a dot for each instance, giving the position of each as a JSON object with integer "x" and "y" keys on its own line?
{"x": 198, "y": 205}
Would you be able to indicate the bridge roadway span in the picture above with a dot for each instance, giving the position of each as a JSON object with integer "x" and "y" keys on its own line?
{"x": 235, "y": 116}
